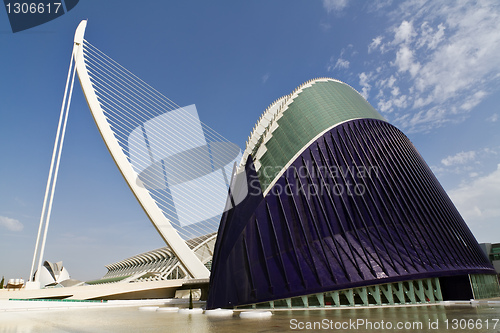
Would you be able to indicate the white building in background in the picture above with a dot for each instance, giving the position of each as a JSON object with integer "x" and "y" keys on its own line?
{"x": 157, "y": 265}
{"x": 54, "y": 275}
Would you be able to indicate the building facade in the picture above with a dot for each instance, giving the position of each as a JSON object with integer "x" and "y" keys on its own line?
{"x": 341, "y": 210}
{"x": 492, "y": 251}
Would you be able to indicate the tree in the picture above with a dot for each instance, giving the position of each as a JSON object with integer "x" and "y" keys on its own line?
{"x": 2, "y": 282}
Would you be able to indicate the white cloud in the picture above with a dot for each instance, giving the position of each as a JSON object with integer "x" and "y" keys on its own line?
{"x": 325, "y": 26}
{"x": 490, "y": 151}
{"x": 342, "y": 63}
{"x": 384, "y": 106}
{"x": 339, "y": 64}
{"x": 364, "y": 80}
{"x": 377, "y": 5}
{"x": 334, "y": 5}
{"x": 400, "y": 102}
{"x": 395, "y": 91}
{"x": 404, "y": 33}
{"x": 375, "y": 43}
{"x": 404, "y": 61}
{"x": 460, "y": 158}
{"x": 429, "y": 38}
{"x": 467, "y": 164}
{"x": 477, "y": 202}
{"x": 265, "y": 77}
{"x": 11, "y": 224}
{"x": 473, "y": 100}
{"x": 424, "y": 119}
{"x": 493, "y": 118}
{"x": 387, "y": 103}
{"x": 444, "y": 56}
{"x": 387, "y": 83}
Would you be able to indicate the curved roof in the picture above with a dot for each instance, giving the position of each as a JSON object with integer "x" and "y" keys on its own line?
{"x": 161, "y": 260}
{"x": 291, "y": 122}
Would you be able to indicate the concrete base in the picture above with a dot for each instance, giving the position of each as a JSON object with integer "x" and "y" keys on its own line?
{"x": 112, "y": 291}
{"x": 32, "y": 285}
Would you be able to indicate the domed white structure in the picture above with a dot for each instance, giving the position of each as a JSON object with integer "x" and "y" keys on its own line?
{"x": 51, "y": 273}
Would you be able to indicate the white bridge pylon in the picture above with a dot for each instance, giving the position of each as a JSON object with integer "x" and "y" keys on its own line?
{"x": 190, "y": 261}
{"x": 178, "y": 168}
{"x": 54, "y": 164}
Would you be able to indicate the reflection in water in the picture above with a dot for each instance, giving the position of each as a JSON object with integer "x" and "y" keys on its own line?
{"x": 429, "y": 318}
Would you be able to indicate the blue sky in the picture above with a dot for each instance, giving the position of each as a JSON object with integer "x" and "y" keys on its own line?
{"x": 430, "y": 67}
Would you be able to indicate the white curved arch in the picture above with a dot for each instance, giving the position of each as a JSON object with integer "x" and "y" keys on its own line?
{"x": 163, "y": 225}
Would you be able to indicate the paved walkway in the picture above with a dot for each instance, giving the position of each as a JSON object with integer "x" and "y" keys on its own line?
{"x": 38, "y": 305}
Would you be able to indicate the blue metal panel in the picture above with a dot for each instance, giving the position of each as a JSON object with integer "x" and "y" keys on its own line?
{"x": 358, "y": 207}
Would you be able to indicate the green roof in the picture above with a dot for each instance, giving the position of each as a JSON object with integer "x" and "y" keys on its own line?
{"x": 315, "y": 109}
{"x": 108, "y": 280}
